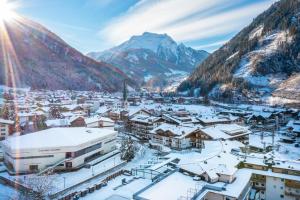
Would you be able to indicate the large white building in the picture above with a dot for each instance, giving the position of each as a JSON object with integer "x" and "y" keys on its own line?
{"x": 64, "y": 148}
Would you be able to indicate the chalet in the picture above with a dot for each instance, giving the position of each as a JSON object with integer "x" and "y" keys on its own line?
{"x": 114, "y": 114}
{"x": 225, "y": 132}
{"x": 141, "y": 125}
{"x": 208, "y": 120}
{"x": 7, "y": 127}
{"x": 293, "y": 126}
{"x": 99, "y": 122}
{"x": 140, "y": 112}
{"x": 103, "y": 111}
{"x": 44, "y": 110}
{"x": 260, "y": 117}
{"x": 77, "y": 121}
{"x": 177, "y": 137}
{"x": 29, "y": 117}
{"x": 54, "y": 123}
{"x": 134, "y": 100}
{"x": 260, "y": 142}
{"x": 72, "y": 108}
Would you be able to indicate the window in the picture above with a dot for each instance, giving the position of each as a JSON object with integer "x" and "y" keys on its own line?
{"x": 110, "y": 141}
{"x": 68, "y": 164}
{"x": 281, "y": 196}
{"x": 68, "y": 154}
{"x": 33, "y": 167}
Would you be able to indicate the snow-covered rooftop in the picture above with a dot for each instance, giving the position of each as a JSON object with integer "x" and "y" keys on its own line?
{"x": 173, "y": 187}
{"x": 225, "y": 131}
{"x": 97, "y": 119}
{"x": 57, "y": 137}
{"x": 177, "y": 130}
{"x": 5, "y": 121}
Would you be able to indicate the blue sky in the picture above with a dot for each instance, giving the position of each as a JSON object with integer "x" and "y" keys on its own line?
{"x": 95, "y": 25}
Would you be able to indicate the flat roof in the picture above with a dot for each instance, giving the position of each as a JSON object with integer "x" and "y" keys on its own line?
{"x": 5, "y": 121}
{"x": 56, "y": 137}
{"x": 172, "y": 187}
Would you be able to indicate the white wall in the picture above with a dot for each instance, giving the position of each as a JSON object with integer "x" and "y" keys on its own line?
{"x": 59, "y": 153}
{"x": 274, "y": 188}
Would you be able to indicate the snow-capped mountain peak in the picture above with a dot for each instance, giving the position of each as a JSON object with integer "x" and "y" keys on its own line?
{"x": 152, "y": 55}
{"x": 150, "y": 41}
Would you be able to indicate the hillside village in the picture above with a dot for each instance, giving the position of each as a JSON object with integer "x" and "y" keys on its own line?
{"x": 92, "y": 145}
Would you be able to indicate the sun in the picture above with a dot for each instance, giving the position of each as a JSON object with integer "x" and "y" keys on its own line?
{"x": 6, "y": 10}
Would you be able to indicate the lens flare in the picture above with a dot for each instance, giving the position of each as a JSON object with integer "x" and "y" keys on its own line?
{"x": 6, "y": 10}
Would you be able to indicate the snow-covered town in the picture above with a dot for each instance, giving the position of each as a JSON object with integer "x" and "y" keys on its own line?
{"x": 91, "y": 145}
{"x": 150, "y": 100}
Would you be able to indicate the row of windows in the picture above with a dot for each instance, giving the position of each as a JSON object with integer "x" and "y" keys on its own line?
{"x": 29, "y": 157}
{"x": 112, "y": 140}
{"x": 87, "y": 150}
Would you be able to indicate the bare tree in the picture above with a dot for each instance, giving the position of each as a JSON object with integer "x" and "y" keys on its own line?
{"x": 38, "y": 187}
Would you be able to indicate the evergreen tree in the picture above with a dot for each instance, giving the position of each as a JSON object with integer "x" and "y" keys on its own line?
{"x": 127, "y": 149}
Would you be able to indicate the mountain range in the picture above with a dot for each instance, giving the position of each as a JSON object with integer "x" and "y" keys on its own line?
{"x": 33, "y": 56}
{"x": 262, "y": 62}
{"x": 151, "y": 59}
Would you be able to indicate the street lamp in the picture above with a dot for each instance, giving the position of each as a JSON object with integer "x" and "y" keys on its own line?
{"x": 64, "y": 182}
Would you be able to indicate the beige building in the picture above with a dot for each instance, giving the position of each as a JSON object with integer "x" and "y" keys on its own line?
{"x": 58, "y": 148}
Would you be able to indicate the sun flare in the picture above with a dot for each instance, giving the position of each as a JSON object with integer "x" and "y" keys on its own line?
{"x": 6, "y": 10}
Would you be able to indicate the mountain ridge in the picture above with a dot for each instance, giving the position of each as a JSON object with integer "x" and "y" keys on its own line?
{"x": 249, "y": 64}
{"x": 42, "y": 60}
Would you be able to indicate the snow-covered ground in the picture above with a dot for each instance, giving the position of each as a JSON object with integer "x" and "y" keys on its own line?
{"x": 113, "y": 189}
{"x": 8, "y": 193}
{"x": 267, "y": 45}
{"x": 73, "y": 178}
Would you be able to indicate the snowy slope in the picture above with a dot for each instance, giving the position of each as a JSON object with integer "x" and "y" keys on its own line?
{"x": 260, "y": 63}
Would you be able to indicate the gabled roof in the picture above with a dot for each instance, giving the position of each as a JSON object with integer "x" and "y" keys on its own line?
{"x": 179, "y": 131}
{"x": 97, "y": 119}
{"x": 225, "y": 131}
{"x": 72, "y": 119}
{"x": 145, "y": 119}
